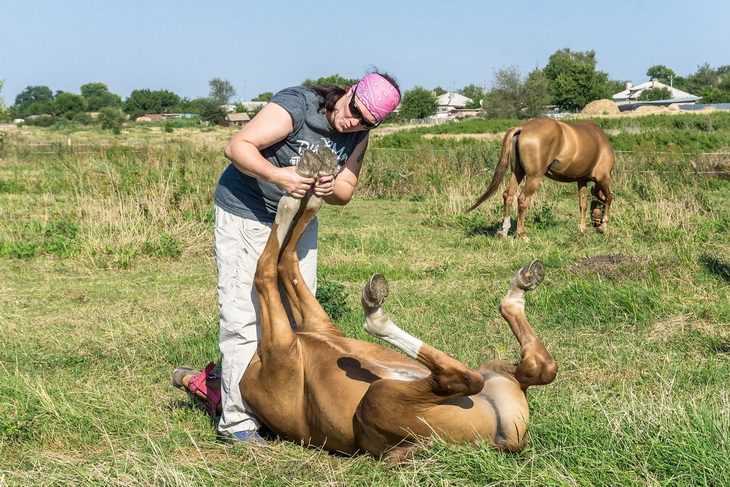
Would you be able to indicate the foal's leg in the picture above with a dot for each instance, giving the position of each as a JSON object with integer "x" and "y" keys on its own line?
{"x": 276, "y": 332}
{"x": 537, "y": 366}
{"x": 308, "y": 313}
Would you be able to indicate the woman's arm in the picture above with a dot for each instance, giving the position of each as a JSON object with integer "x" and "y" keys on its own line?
{"x": 271, "y": 125}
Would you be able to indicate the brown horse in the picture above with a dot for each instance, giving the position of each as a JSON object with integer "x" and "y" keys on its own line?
{"x": 562, "y": 151}
{"x": 319, "y": 388}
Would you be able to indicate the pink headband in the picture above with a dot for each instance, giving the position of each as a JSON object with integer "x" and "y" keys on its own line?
{"x": 378, "y": 95}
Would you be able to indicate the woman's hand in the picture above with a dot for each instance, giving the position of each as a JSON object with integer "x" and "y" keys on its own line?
{"x": 324, "y": 186}
{"x": 291, "y": 182}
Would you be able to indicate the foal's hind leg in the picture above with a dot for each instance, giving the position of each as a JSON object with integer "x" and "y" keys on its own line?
{"x": 537, "y": 366}
{"x": 308, "y": 313}
{"x": 394, "y": 413}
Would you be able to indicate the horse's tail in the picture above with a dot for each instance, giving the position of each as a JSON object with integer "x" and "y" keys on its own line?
{"x": 506, "y": 157}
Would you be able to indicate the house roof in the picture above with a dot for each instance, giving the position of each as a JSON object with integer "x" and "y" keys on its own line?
{"x": 238, "y": 117}
{"x": 632, "y": 93}
{"x": 452, "y": 99}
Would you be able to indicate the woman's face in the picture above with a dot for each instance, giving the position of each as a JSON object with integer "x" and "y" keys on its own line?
{"x": 350, "y": 115}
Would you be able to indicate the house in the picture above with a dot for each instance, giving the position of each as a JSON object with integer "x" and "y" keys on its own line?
{"x": 236, "y": 120}
{"x": 448, "y": 102}
{"x": 628, "y": 99}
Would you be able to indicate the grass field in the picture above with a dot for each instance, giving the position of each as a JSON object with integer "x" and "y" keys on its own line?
{"x": 107, "y": 282}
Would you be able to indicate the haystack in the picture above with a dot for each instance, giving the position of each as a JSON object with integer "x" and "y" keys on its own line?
{"x": 601, "y": 107}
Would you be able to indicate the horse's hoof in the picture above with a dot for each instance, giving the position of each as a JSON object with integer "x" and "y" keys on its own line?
{"x": 601, "y": 229}
{"x": 375, "y": 291}
{"x": 530, "y": 276}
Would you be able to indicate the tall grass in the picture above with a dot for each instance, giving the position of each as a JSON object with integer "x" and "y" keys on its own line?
{"x": 107, "y": 282}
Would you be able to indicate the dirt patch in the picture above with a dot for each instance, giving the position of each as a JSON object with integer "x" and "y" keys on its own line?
{"x": 610, "y": 266}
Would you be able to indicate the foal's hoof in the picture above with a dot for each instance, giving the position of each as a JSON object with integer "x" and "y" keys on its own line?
{"x": 321, "y": 163}
{"x": 179, "y": 374}
{"x": 375, "y": 292}
{"x": 308, "y": 165}
{"x": 530, "y": 276}
{"x": 328, "y": 161}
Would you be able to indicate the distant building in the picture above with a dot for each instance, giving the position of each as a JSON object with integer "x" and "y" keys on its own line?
{"x": 236, "y": 120}
{"x": 629, "y": 98}
{"x": 453, "y": 105}
{"x": 253, "y": 105}
{"x": 155, "y": 117}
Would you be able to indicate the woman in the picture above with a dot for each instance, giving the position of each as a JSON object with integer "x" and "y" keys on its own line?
{"x": 263, "y": 157}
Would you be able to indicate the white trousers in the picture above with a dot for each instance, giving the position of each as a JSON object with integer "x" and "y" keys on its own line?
{"x": 238, "y": 245}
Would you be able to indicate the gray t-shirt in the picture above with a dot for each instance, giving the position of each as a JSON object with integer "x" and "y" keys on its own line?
{"x": 248, "y": 197}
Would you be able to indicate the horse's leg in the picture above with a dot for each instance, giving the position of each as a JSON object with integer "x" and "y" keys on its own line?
{"x": 523, "y": 202}
{"x": 583, "y": 204}
{"x": 601, "y": 205}
{"x": 391, "y": 414}
{"x": 537, "y": 366}
{"x": 508, "y": 196}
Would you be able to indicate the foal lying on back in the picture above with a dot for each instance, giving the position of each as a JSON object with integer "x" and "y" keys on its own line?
{"x": 320, "y": 388}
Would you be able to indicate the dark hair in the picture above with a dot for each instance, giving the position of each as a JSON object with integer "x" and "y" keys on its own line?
{"x": 329, "y": 94}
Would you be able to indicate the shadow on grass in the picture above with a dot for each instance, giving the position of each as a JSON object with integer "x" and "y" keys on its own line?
{"x": 716, "y": 266}
{"x": 489, "y": 231}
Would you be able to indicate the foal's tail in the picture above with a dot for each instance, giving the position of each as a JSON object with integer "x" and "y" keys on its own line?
{"x": 506, "y": 157}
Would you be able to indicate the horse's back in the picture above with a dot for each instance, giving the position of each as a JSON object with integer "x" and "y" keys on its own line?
{"x": 564, "y": 151}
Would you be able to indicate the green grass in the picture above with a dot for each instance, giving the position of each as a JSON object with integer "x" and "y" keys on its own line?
{"x": 107, "y": 282}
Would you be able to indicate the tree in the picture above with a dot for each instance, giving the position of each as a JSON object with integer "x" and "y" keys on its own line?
{"x": 266, "y": 96}
{"x": 476, "y": 93}
{"x": 536, "y": 94}
{"x": 69, "y": 105}
{"x": 3, "y": 107}
{"x": 417, "y": 103}
{"x": 334, "y": 79}
{"x": 212, "y": 111}
{"x": 573, "y": 79}
{"x": 438, "y": 91}
{"x": 516, "y": 97}
{"x": 148, "y": 101}
{"x": 39, "y": 98}
{"x": 111, "y": 118}
{"x": 98, "y": 96}
{"x": 505, "y": 99}
{"x": 221, "y": 90}
{"x": 662, "y": 74}
{"x": 653, "y": 94}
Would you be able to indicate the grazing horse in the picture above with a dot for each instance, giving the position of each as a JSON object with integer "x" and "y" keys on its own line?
{"x": 562, "y": 151}
{"x": 317, "y": 387}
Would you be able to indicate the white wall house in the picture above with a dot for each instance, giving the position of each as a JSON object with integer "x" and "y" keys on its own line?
{"x": 632, "y": 93}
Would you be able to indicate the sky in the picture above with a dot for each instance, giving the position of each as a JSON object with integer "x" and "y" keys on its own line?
{"x": 264, "y": 46}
